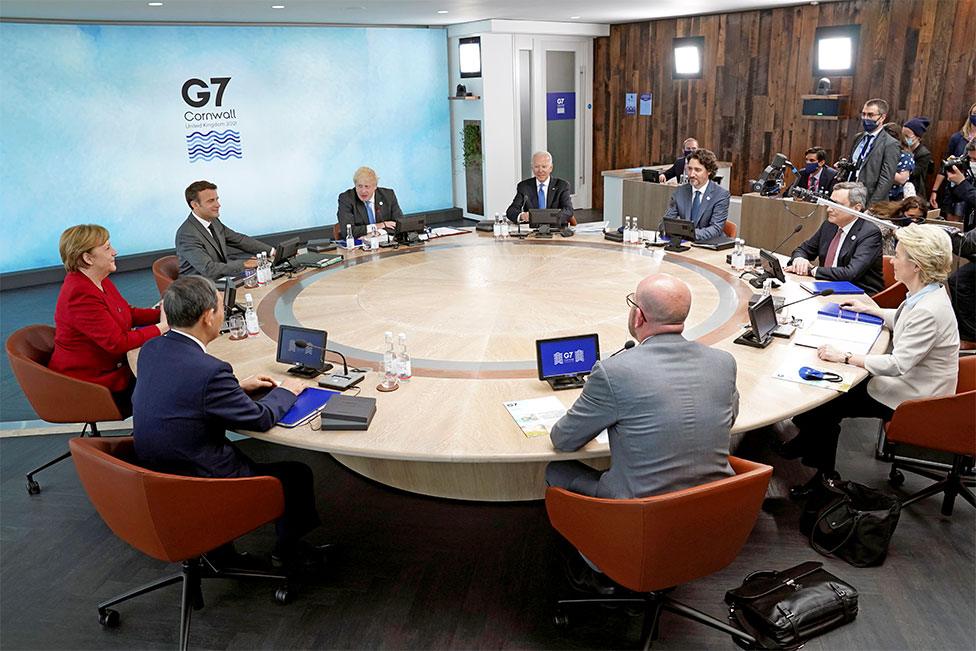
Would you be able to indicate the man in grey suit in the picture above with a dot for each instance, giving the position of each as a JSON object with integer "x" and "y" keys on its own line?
{"x": 667, "y": 403}
{"x": 202, "y": 240}
{"x": 701, "y": 200}
{"x": 875, "y": 152}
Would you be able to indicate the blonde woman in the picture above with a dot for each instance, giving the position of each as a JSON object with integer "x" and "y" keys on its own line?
{"x": 922, "y": 362}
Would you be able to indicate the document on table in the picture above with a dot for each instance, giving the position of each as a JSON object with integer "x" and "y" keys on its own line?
{"x": 536, "y": 416}
{"x": 442, "y": 231}
{"x": 849, "y": 336}
{"x": 591, "y": 227}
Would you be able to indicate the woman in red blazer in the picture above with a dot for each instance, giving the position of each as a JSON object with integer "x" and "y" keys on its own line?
{"x": 93, "y": 324}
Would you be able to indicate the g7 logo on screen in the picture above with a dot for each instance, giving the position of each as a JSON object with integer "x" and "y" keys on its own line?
{"x": 203, "y": 96}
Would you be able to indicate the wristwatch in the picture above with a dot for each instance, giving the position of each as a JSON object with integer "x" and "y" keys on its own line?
{"x": 847, "y": 357}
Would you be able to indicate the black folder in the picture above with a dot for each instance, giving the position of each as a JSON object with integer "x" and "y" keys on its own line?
{"x": 348, "y": 412}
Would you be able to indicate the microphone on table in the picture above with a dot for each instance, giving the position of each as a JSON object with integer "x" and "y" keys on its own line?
{"x": 822, "y": 292}
{"x": 338, "y": 381}
{"x": 627, "y": 346}
{"x": 797, "y": 229}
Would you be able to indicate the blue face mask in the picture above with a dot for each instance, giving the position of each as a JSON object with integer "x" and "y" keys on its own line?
{"x": 688, "y": 152}
{"x": 972, "y": 120}
{"x": 810, "y": 168}
{"x": 869, "y": 125}
{"x": 909, "y": 141}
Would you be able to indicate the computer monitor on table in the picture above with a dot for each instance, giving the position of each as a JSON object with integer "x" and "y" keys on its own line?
{"x": 650, "y": 176}
{"x": 304, "y": 348}
{"x": 678, "y": 229}
{"x": 285, "y": 251}
{"x": 762, "y": 322}
{"x": 545, "y": 220}
{"x": 564, "y": 362}
{"x": 409, "y": 229}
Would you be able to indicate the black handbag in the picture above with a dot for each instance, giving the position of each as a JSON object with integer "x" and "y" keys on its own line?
{"x": 782, "y": 610}
{"x": 851, "y": 521}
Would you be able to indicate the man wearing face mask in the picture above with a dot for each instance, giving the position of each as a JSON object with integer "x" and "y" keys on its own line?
{"x": 875, "y": 152}
{"x": 912, "y": 133}
{"x": 675, "y": 171}
{"x": 816, "y": 175}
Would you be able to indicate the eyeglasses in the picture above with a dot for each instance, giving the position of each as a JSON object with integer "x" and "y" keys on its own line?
{"x": 871, "y": 115}
{"x": 632, "y": 303}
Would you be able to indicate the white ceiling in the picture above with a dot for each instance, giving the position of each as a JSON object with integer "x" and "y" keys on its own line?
{"x": 382, "y": 12}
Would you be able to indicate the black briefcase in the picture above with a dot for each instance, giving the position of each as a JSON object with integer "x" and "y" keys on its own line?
{"x": 783, "y": 610}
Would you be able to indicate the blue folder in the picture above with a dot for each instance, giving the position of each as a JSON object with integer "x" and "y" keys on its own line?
{"x": 310, "y": 402}
{"x": 839, "y": 287}
{"x": 836, "y": 311}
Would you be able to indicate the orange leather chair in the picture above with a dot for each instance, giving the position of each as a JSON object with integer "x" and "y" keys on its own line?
{"x": 731, "y": 230}
{"x": 165, "y": 271}
{"x": 55, "y": 397}
{"x": 888, "y": 270}
{"x": 173, "y": 518}
{"x": 891, "y": 296}
{"x": 948, "y": 424}
{"x": 652, "y": 544}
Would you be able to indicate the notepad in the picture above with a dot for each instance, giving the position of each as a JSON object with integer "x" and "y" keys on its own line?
{"x": 839, "y": 287}
{"x": 856, "y": 337}
{"x": 836, "y": 311}
{"x": 310, "y": 402}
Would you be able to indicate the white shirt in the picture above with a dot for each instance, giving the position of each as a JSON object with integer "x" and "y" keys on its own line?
{"x": 204, "y": 223}
{"x": 191, "y": 337}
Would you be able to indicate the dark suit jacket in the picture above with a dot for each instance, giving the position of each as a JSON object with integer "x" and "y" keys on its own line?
{"x": 923, "y": 166}
{"x": 859, "y": 261}
{"x": 828, "y": 175}
{"x": 714, "y": 210}
{"x": 527, "y": 196}
{"x": 199, "y": 254}
{"x": 353, "y": 211}
{"x": 184, "y": 402}
{"x": 878, "y": 169}
{"x": 676, "y": 169}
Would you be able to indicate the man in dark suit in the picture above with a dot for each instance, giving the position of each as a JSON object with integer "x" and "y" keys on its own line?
{"x": 185, "y": 400}
{"x": 847, "y": 247}
{"x": 202, "y": 241}
{"x": 875, "y": 152}
{"x": 542, "y": 191}
{"x": 701, "y": 201}
{"x": 673, "y": 173}
{"x": 367, "y": 204}
{"x": 816, "y": 176}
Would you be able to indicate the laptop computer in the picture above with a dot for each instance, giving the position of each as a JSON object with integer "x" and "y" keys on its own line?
{"x": 719, "y": 243}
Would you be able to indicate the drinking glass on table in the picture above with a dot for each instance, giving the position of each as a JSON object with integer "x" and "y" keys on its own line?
{"x": 238, "y": 327}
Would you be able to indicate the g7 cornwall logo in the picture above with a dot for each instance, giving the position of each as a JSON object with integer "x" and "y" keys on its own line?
{"x": 211, "y": 134}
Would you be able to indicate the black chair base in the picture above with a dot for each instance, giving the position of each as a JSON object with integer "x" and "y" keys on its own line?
{"x": 194, "y": 571}
{"x": 957, "y": 481}
{"x": 653, "y": 603}
{"x": 33, "y": 488}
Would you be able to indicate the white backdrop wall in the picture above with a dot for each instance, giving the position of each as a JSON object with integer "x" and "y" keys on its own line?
{"x": 95, "y": 127}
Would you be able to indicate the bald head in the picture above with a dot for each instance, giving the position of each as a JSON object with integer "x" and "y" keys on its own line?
{"x": 665, "y": 302}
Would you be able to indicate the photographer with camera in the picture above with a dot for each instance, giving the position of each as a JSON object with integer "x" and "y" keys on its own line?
{"x": 956, "y": 147}
{"x": 962, "y": 283}
{"x": 961, "y": 173}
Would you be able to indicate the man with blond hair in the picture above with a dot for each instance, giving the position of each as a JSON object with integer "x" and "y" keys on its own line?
{"x": 367, "y": 204}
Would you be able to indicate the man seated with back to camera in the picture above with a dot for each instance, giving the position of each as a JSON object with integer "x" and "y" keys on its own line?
{"x": 847, "y": 247}
{"x": 701, "y": 201}
{"x": 668, "y": 405}
{"x": 186, "y": 400}
{"x": 541, "y": 191}
{"x": 204, "y": 245}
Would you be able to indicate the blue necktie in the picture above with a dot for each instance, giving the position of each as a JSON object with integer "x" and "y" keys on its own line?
{"x": 369, "y": 212}
{"x": 696, "y": 206}
{"x": 542, "y": 196}
{"x": 864, "y": 150}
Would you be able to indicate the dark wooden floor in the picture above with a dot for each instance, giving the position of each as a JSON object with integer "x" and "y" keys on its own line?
{"x": 423, "y": 573}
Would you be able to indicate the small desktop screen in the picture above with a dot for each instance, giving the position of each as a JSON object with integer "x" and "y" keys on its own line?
{"x": 762, "y": 318}
{"x": 290, "y": 351}
{"x": 567, "y": 355}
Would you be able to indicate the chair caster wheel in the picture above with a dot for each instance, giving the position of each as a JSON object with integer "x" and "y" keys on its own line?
{"x": 108, "y": 618}
{"x": 282, "y": 596}
{"x": 560, "y": 619}
{"x": 33, "y": 488}
{"x": 896, "y": 477}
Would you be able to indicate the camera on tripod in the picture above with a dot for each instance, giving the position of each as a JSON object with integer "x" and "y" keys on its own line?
{"x": 961, "y": 163}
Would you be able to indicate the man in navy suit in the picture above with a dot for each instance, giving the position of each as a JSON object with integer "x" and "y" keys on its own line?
{"x": 542, "y": 191}
{"x": 185, "y": 400}
{"x": 367, "y": 204}
{"x": 673, "y": 173}
{"x": 816, "y": 176}
{"x": 701, "y": 201}
{"x": 847, "y": 247}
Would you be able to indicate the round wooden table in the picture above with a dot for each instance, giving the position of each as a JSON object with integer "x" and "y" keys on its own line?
{"x": 472, "y": 308}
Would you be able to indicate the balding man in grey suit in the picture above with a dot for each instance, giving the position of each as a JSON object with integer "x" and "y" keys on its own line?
{"x": 668, "y": 405}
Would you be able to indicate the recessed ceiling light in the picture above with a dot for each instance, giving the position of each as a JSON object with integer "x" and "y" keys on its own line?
{"x": 574, "y": 17}
{"x": 277, "y": 6}
{"x": 442, "y": 11}
{"x": 155, "y": 4}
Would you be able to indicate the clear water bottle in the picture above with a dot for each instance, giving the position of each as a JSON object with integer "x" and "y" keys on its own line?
{"x": 250, "y": 316}
{"x": 268, "y": 274}
{"x": 739, "y": 255}
{"x": 389, "y": 360}
{"x": 634, "y": 232}
{"x": 262, "y": 271}
{"x": 496, "y": 228}
{"x": 627, "y": 229}
{"x": 350, "y": 240}
{"x": 504, "y": 227}
{"x": 404, "y": 368}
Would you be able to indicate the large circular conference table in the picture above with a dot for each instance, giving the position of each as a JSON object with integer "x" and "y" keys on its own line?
{"x": 472, "y": 308}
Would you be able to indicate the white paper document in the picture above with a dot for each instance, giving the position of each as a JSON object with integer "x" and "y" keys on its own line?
{"x": 536, "y": 416}
{"x": 849, "y": 336}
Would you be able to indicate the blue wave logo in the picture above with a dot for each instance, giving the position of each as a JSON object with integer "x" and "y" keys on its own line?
{"x": 214, "y": 144}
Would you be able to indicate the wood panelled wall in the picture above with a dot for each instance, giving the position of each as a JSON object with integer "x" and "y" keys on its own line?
{"x": 920, "y": 55}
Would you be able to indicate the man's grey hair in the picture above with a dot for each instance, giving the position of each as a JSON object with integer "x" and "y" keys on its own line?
{"x": 543, "y": 154}
{"x": 856, "y": 192}
{"x": 187, "y": 299}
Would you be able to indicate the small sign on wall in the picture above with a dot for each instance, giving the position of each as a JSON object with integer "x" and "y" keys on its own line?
{"x": 645, "y": 104}
{"x": 630, "y": 104}
{"x": 560, "y": 106}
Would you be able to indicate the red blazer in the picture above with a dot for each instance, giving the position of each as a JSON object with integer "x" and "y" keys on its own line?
{"x": 93, "y": 332}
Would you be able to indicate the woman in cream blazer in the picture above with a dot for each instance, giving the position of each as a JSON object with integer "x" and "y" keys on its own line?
{"x": 922, "y": 363}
